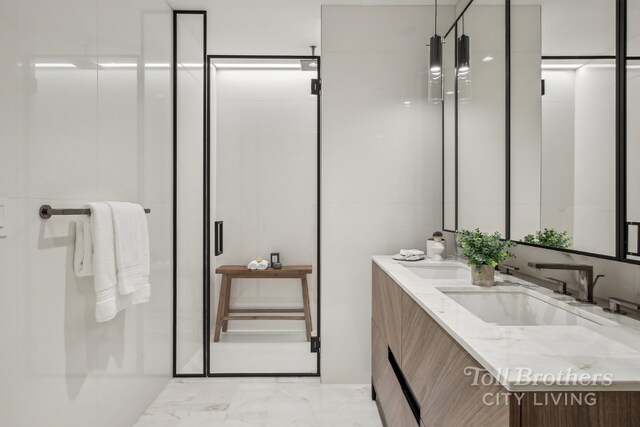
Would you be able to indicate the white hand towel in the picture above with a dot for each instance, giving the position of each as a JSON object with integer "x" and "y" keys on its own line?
{"x": 108, "y": 300}
{"x": 263, "y": 265}
{"x": 104, "y": 262}
{"x": 253, "y": 265}
{"x": 82, "y": 259}
{"x": 132, "y": 246}
{"x": 411, "y": 252}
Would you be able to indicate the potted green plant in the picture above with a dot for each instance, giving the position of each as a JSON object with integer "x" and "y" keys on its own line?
{"x": 483, "y": 252}
{"x": 549, "y": 237}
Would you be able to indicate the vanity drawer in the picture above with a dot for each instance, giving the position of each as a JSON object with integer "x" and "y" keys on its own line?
{"x": 434, "y": 367}
{"x": 391, "y": 399}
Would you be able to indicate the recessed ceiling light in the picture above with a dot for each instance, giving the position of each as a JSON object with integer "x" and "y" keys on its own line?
{"x": 561, "y": 66}
{"x": 118, "y": 64}
{"x": 487, "y": 59}
{"x": 450, "y": 92}
{"x": 601, "y": 65}
{"x": 249, "y": 66}
{"x": 190, "y": 65}
{"x": 54, "y": 65}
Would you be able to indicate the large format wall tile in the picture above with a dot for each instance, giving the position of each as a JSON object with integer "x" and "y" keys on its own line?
{"x": 381, "y": 164}
{"x": 69, "y": 136}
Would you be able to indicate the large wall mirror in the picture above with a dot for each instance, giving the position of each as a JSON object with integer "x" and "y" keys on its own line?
{"x": 475, "y": 104}
{"x": 633, "y": 130}
{"x": 563, "y": 140}
{"x": 536, "y": 143}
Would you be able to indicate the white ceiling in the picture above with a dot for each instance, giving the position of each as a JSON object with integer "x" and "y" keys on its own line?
{"x": 569, "y": 27}
{"x": 268, "y": 27}
{"x": 210, "y": 4}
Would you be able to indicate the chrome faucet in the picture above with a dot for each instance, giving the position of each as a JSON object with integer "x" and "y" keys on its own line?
{"x": 616, "y": 303}
{"x": 586, "y": 281}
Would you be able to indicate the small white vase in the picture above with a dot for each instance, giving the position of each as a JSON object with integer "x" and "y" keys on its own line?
{"x": 438, "y": 250}
{"x": 482, "y": 276}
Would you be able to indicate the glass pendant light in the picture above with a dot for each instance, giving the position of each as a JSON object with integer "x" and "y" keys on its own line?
{"x": 463, "y": 51}
{"x": 435, "y": 63}
{"x": 463, "y": 66}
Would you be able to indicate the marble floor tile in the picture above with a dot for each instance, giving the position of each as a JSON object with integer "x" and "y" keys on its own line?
{"x": 227, "y": 402}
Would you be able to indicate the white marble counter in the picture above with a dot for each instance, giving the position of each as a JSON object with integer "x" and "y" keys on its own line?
{"x": 533, "y": 358}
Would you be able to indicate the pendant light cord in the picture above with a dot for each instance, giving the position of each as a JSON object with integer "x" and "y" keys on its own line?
{"x": 435, "y": 19}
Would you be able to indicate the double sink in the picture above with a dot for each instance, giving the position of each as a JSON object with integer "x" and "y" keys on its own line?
{"x": 506, "y": 305}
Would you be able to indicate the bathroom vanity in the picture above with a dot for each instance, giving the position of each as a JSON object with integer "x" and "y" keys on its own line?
{"x": 447, "y": 353}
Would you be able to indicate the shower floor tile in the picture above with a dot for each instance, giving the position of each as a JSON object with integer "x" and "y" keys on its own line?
{"x": 252, "y": 353}
{"x": 244, "y": 352}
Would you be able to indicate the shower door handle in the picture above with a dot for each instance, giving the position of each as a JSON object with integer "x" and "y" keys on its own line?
{"x": 218, "y": 238}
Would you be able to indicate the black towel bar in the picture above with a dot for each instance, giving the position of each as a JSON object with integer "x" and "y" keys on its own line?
{"x": 47, "y": 211}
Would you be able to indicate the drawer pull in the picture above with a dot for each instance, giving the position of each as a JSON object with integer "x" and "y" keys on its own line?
{"x": 404, "y": 385}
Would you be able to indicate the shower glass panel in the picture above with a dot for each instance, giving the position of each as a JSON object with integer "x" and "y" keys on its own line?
{"x": 189, "y": 103}
{"x": 264, "y": 182}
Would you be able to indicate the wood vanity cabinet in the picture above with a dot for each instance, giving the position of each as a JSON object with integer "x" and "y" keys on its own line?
{"x": 386, "y": 310}
{"x": 432, "y": 367}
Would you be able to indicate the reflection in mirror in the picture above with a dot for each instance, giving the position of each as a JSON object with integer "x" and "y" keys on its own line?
{"x": 633, "y": 29}
{"x": 563, "y": 124}
{"x": 526, "y": 119}
{"x": 633, "y": 129}
{"x": 481, "y": 119}
{"x": 578, "y": 153}
{"x": 449, "y": 142}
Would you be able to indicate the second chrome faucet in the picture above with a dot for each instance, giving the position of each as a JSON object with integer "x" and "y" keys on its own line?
{"x": 586, "y": 281}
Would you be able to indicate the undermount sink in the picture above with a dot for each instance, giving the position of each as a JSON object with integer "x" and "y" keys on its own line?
{"x": 439, "y": 271}
{"x": 517, "y": 307}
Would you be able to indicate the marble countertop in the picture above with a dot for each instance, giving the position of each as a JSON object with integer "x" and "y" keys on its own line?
{"x": 589, "y": 357}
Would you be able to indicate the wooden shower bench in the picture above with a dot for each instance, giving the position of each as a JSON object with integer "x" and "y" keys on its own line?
{"x": 230, "y": 272}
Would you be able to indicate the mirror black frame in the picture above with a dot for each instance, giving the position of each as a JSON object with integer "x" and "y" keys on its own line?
{"x": 621, "y": 58}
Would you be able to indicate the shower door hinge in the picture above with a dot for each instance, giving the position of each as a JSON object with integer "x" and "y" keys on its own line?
{"x": 316, "y": 86}
{"x": 315, "y": 344}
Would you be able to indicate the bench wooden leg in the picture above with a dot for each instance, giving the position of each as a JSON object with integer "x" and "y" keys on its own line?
{"x": 221, "y": 306}
{"x": 307, "y": 310}
{"x": 227, "y": 302}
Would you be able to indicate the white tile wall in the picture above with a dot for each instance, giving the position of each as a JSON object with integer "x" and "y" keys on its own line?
{"x": 69, "y": 136}
{"x": 381, "y": 164}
